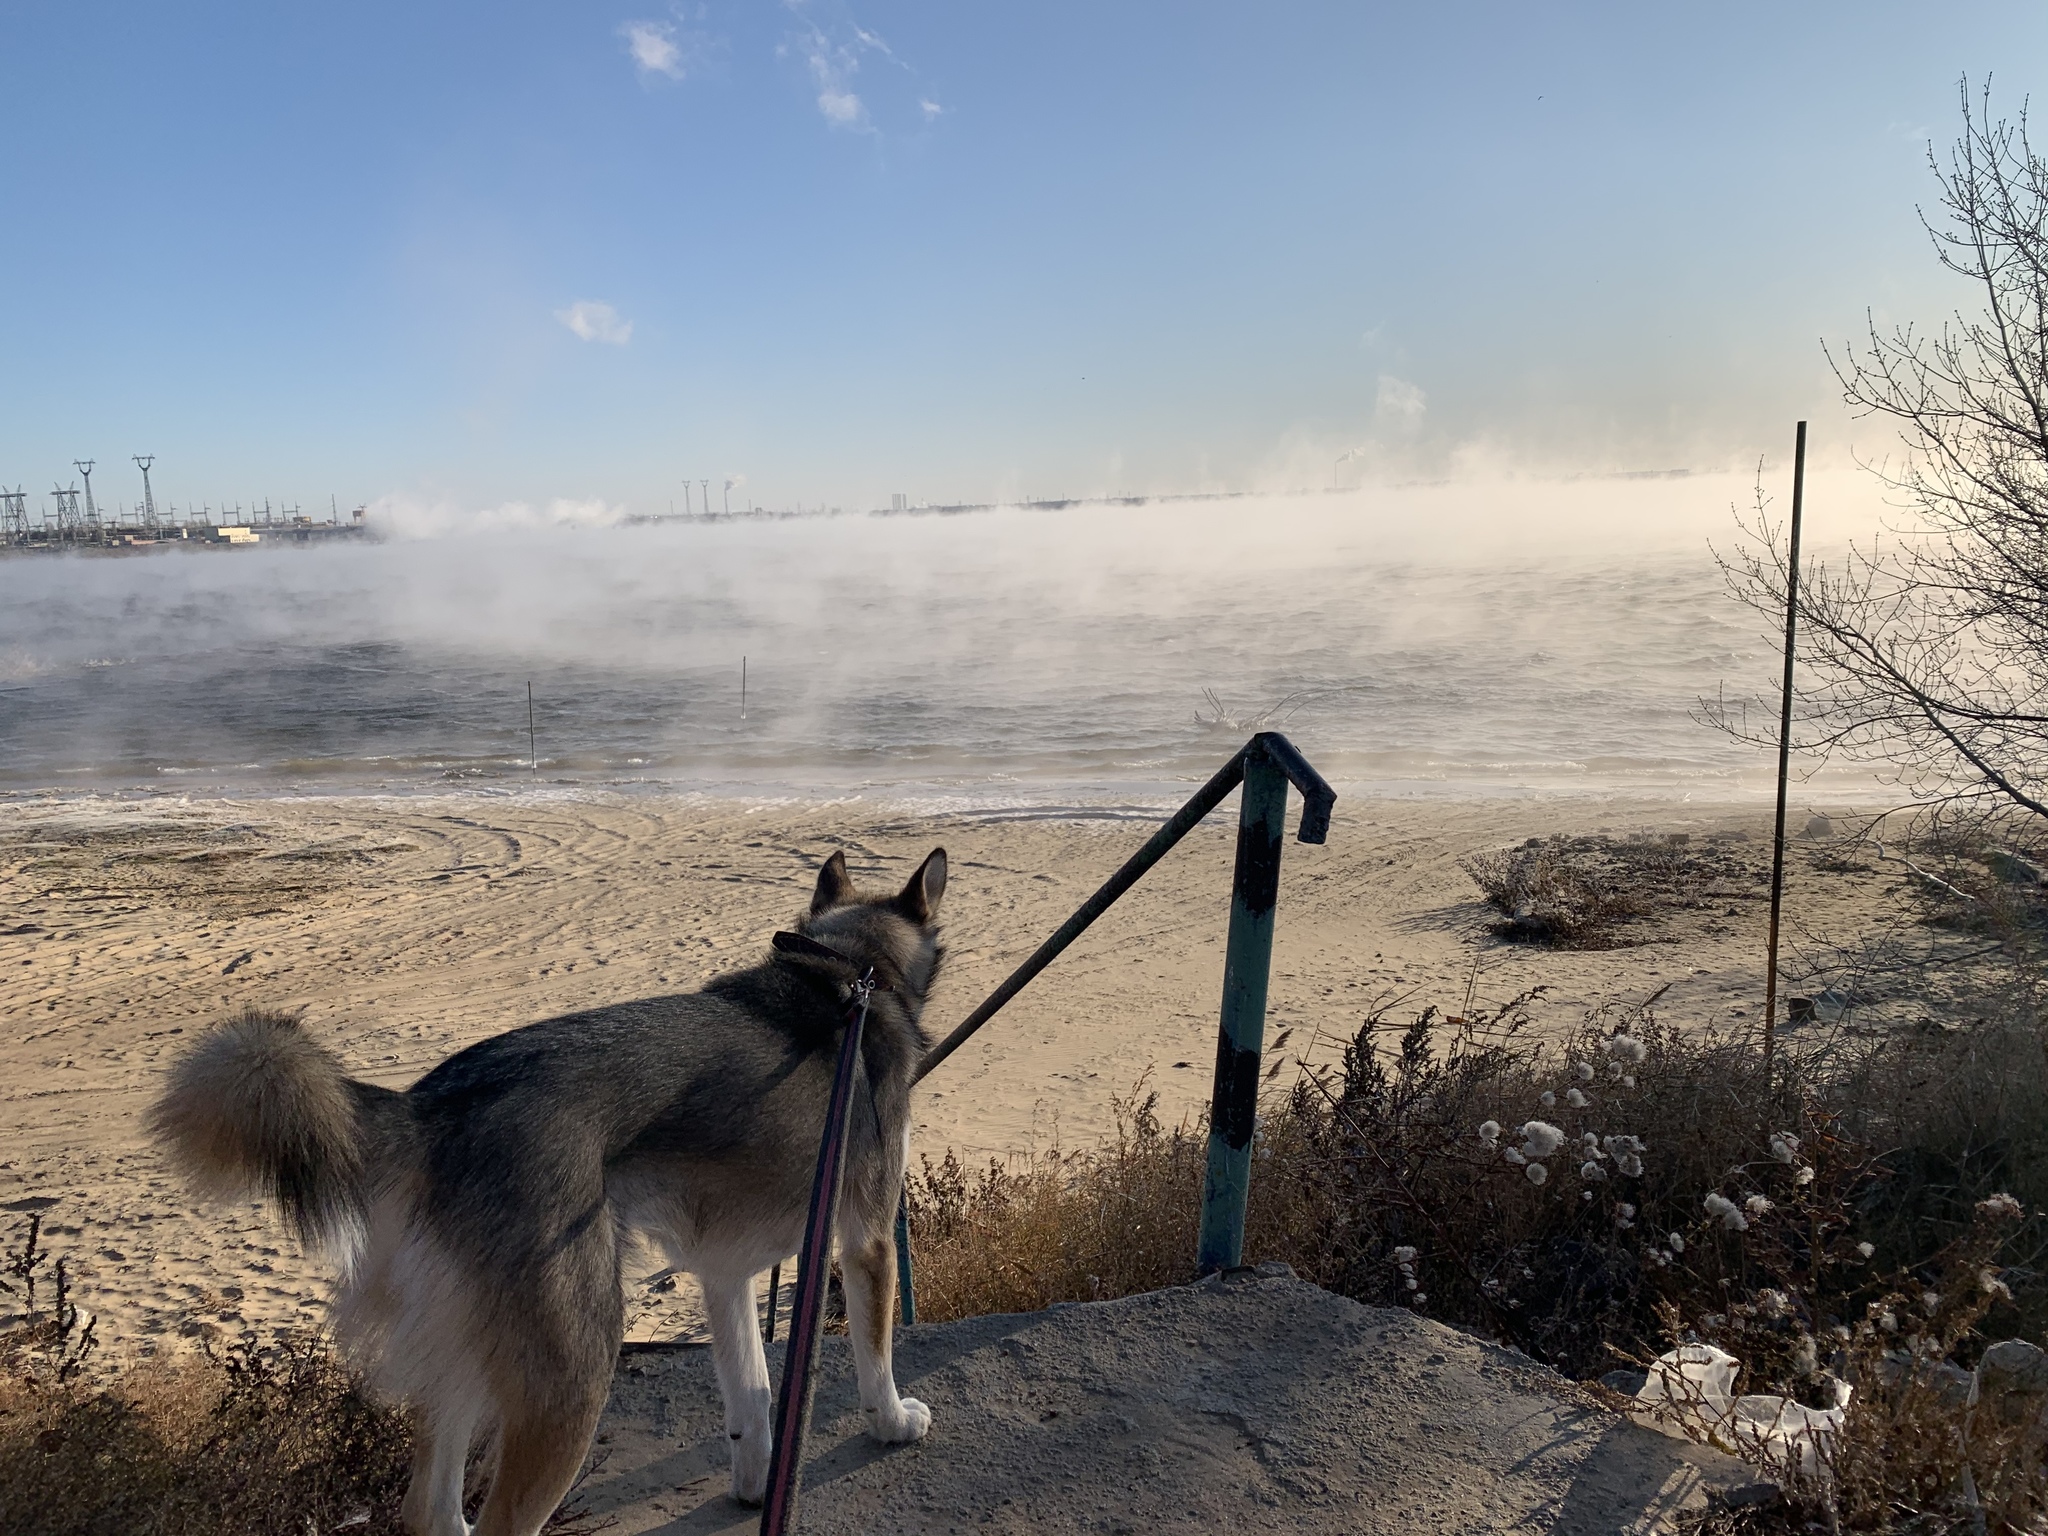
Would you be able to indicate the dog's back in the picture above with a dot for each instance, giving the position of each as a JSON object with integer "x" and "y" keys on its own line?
{"x": 480, "y": 1214}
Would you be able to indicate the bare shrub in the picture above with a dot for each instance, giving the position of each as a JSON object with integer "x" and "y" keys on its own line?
{"x": 1915, "y": 1433}
{"x": 252, "y": 1438}
{"x": 1924, "y": 651}
{"x": 46, "y": 1346}
{"x": 1599, "y": 892}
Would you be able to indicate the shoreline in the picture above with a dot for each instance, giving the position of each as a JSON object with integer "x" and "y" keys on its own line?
{"x": 408, "y": 927}
{"x": 1054, "y": 790}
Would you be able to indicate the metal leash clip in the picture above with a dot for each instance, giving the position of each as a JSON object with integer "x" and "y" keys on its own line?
{"x": 859, "y": 992}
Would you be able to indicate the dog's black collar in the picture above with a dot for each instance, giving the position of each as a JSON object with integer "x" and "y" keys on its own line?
{"x": 859, "y": 985}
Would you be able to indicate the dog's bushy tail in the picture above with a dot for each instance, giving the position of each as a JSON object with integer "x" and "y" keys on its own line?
{"x": 259, "y": 1107}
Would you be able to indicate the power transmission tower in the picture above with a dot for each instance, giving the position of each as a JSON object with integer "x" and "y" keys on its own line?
{"x": 148, "y": 497}
{"x": 92, "y": 513}
{"x": 14, "y": 516}
{"x": 68, "y": 518}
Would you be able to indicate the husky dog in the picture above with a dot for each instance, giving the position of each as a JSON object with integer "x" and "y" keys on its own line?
{"x": 480, "y": 1214}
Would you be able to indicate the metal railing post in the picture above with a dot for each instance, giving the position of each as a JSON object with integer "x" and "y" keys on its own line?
{"x": 1247, "y": 961}
{"x": 1265, "y": 766}
{"x": 906, "y": 1285}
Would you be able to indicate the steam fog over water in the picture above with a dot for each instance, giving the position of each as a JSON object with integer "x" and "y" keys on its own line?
{"x": 1433, "y": 642}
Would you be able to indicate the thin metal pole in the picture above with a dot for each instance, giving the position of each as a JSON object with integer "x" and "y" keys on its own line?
{"x": 774, "y": 1289}
{"x": 532, "y": 741}
{"x": 807, "y": 1306}
{"x": 1784, "y": 750}
{"x": 1247, "y": 964}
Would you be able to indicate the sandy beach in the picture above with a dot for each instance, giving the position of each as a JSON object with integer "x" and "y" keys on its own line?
{"x": 406, "y": 928}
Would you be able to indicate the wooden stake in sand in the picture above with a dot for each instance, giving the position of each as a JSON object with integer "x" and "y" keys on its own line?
{"x": 1784, "y": 749}
{"x": 532, "y": 747}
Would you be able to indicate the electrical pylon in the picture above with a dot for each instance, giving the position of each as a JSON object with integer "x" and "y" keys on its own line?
{"x": 148, "y": 498}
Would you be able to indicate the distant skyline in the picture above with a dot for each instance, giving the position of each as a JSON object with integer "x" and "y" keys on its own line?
{"x": 460, "y": 257}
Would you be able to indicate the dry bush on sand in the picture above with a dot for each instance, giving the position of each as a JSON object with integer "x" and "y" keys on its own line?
{"x": 253, "y": 1438}
{"x": 1599, "y": 892}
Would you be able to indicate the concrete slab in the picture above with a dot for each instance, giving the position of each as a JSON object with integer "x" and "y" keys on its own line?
{"x": 1260, "y": 1404}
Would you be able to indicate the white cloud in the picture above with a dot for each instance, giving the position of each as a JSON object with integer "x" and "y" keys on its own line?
{"x": 596, "y": 321}
{"x": 834, "y": 47}
{"x": 832, "y": 69}
{"x": 654, "y": 48}
{"x": 841, "y": 108}
{"x": 1399, "y": 403}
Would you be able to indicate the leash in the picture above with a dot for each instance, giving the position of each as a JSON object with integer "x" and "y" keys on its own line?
{"x": 807, "y": 1306}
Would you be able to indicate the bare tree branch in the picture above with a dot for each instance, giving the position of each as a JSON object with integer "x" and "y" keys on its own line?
{"x": 1927, "y": 651}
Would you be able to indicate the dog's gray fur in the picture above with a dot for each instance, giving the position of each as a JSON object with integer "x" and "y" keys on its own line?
{"x": 479, "y": 1215}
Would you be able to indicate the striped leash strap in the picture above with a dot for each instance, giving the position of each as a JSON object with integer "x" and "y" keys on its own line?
{"x": 807, "y": 1306}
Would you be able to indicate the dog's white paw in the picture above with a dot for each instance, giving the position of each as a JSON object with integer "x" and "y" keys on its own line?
{"x": 750, "y": 1491}
{"x": 750, "y": 1467}
{"x": 911, "y": 1421}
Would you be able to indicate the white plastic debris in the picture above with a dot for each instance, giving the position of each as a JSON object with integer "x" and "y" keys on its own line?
{"x": 1692, "y": 1382}
{"x": 1785, "y": 1429}
{"x": 1690, "y": 1394}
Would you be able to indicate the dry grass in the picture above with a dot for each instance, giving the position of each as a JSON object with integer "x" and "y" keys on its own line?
{"x": 254, "y": 1438}
{"x": 1912, "y": 1440}
{"x": 1374, "y": 1179}
{"x": 1063, "y": 1226}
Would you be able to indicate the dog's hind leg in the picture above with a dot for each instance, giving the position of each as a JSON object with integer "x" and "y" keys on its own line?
{"x": 440, "y": 1447}
{"x": 539, "y": 1454}
{"x": 742, "y": 1378}
{"x": 550, "y": 1375}
{"x": 867, "y": 1262}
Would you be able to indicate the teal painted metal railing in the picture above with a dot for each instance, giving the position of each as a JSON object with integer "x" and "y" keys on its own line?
{"x": 1265, "y": 766}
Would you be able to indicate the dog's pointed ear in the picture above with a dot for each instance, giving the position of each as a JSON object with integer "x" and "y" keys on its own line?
{"x": 920, "y": 898}
{"x": 835, "y": 886}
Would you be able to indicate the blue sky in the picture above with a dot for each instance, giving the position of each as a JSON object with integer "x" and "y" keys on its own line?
{"x": 517, "y": 251}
